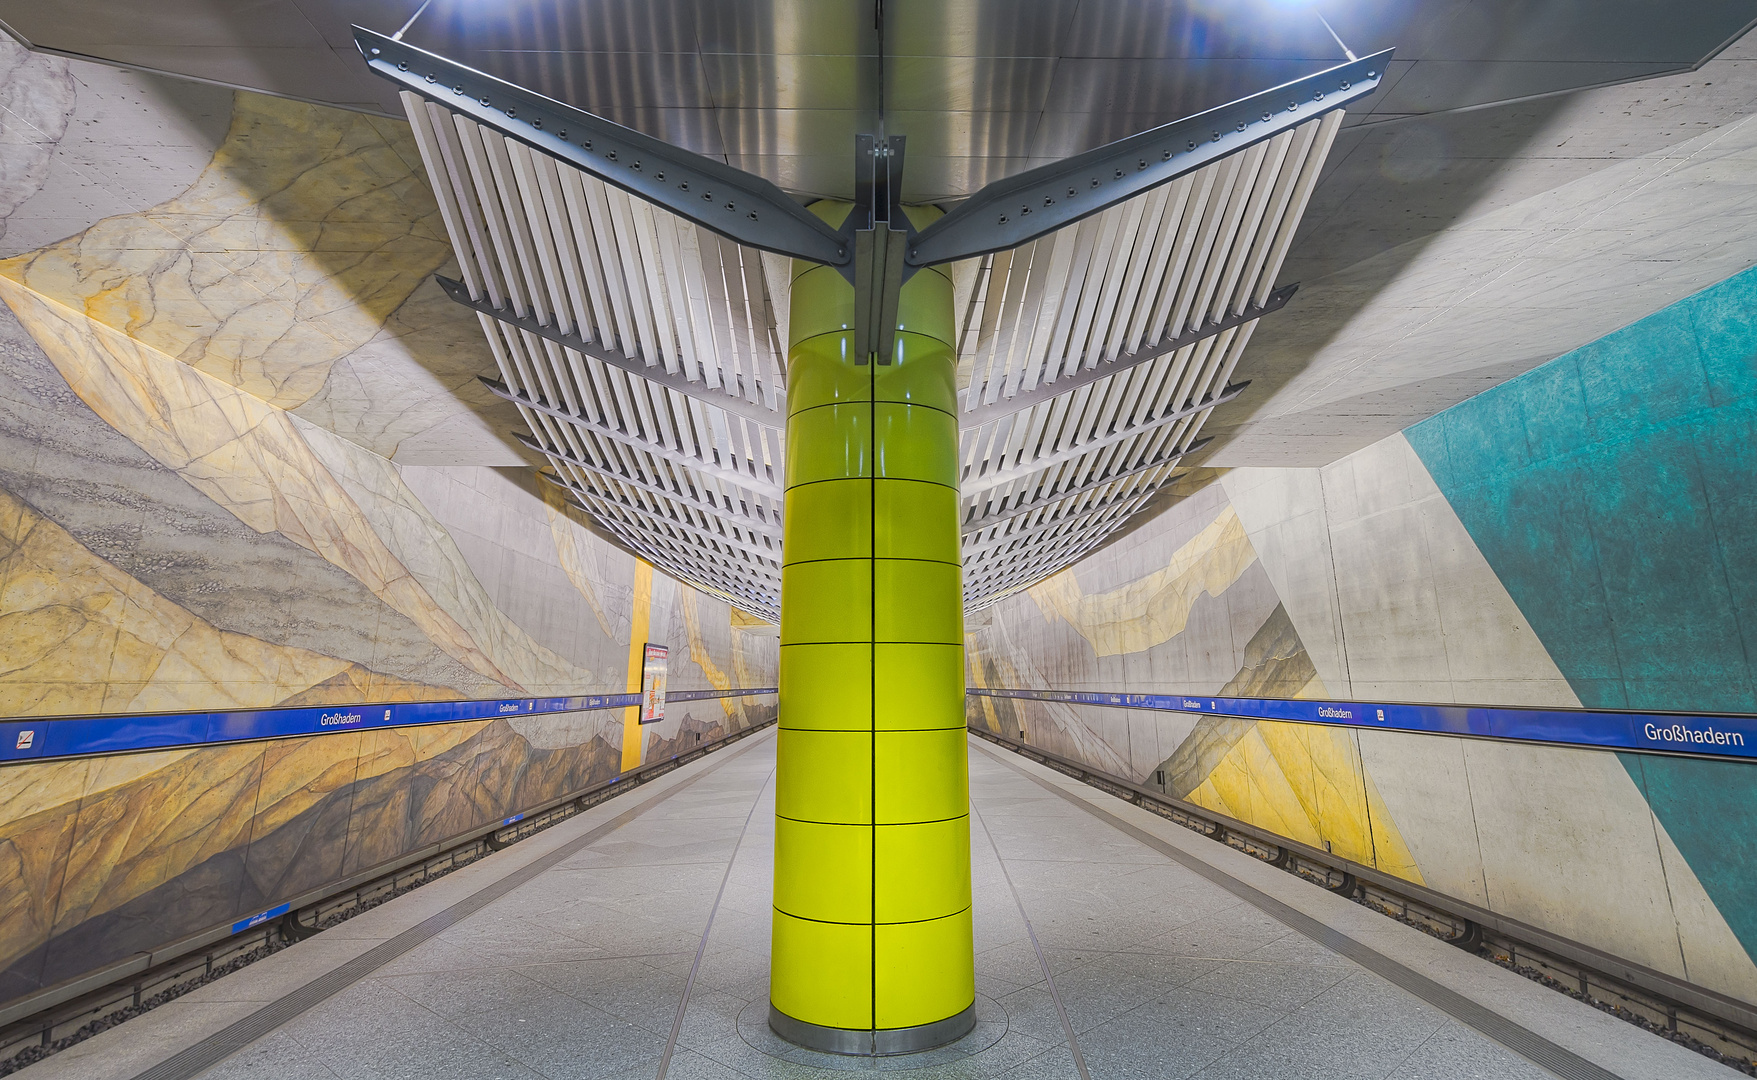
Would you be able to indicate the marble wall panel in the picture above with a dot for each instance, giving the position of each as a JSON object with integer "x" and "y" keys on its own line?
{"x": 205, "y": 376}
{"x": 106, "y": 857}
{"x": 306, "y": 230}
{"x": 1374, "y": 564}
{"x": 147, "y": 521}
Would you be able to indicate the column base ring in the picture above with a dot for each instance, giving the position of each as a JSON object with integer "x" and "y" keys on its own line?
{"x": 883, "y": 1042}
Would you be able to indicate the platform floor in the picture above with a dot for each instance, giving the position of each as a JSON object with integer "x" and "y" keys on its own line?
{"x": 567, "y": 956}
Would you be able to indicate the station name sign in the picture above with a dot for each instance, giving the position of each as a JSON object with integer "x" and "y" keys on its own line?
{"x": 1723, "y": 735}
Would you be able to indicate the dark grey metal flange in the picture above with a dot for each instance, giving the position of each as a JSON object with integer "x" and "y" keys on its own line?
{"x": 882, "y": 1042}
{"x": 1039, "y": 201}
{"x": 738, "y": 205}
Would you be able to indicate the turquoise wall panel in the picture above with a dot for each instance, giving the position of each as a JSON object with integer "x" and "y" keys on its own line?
{"x": 1612, "y": 490}
{"x": 1709, "y": 809}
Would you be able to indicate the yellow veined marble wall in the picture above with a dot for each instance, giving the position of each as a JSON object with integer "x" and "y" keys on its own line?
{"x": 1156, "y": 608}
{"x": 1302, "y": 781}
{"x": 310, "y": 227}
{"x": 83, "y": 637}
{"x": 192, "y": 329}
{"x": 1192, "y": 613}
{"x": 104, "y": 857}
{"x": 172, "y": 348}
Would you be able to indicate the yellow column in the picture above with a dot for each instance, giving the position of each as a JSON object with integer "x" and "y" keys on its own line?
{"x": 872, "y": 944}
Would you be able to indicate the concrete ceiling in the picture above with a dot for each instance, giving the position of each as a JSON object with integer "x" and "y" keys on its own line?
{"x": 1534, "y": 175}
{"x": 1443, "y": 255}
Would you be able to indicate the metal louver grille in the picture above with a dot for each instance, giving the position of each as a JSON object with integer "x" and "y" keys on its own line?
{"x": 693, "y": 486}
{"x": 643, "y": 353}
{"x": 1100, "y": 308}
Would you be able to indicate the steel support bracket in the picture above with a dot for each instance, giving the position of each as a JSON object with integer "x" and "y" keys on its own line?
{"x": 1019, "y": 209}
{"x": 740, "y": 206}
{"x": 880, "y": 233}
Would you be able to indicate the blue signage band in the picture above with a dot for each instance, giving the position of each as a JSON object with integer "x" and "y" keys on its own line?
{"x": 1726, "y": 735}
{"x": 81, "y": 736}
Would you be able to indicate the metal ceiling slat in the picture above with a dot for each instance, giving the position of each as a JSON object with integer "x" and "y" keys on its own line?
{"x": 609, "y": 251}
{"x": 1213, "y": 212}
{"x": 546, "y": 268}
{"x": 1094, "y": 289}
{"x": 1135, "y": 274}
{"x": 719, "y": 353}
{"x": 1045, "y": 290}
{"x": 1090, "y": 489}
{"x": 1249, "y": 229}
{"x": 1160, "y": 325}
{"x": 764, "y": 604}
{"x": 585, "y": 242}
{"x": 1159, "y": 264}
{"x": 1006, "y": 284}
{"x": 632, "y": 271}
{"x": 1111, "y": 285}
{"x": 1299, "y": 148}
{"x": 498, "y": 347}
{"x": 642, "y": 518}
{"x": 1236, "y": 353}
{"x": 488, "y": 199}
{"x": 555, "y": 362}
{"x": 1308, "y": 179}
{"x": 475, "y": 240}
{"x": 975, "y": 356}
{"x": 530, "y": 350}
{"x": 505, "y": 186}
{"x": 653, "y": 448}
{"x": 1218, "y": 238}
{"x": 1083, "y": 238}
{"x": 1201, "y": 358}
{"x": 567, "y": 254}
{"x": 661, "y": 324}
{"x": 421, "y": 125}
{"x": 679, "y": 307}
{"x": 683, "y": 498}
{"x": 987, "y": 575}
{"x": 520, "y": 369}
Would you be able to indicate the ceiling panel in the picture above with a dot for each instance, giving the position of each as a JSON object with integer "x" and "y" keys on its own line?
{"x": 605, "y": 81}
{"x": 652, "y": 26}
{"x": 791, "y": 80}
{"x": 796, "y": 79}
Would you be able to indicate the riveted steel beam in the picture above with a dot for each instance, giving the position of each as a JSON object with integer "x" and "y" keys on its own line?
{"x": 743, "y": 479}
{"x": 743, "y": 509}
{"x": 701, "y": 391}
{"x": 982, "y": 414}
{"x": 731, "y": 202}
{"x": 1022, "y": 208}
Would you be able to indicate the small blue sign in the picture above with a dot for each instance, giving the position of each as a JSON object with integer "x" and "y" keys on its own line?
{"x": 260, "y": 917}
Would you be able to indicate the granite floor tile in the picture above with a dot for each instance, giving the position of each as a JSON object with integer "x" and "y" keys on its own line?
{"x": 577, "y": 975}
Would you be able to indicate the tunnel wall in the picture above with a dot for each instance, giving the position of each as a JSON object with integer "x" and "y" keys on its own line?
{"x": 245, "y": 464}
{"x": 106, "y": 856}
{"x": 1578, "y": 536}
